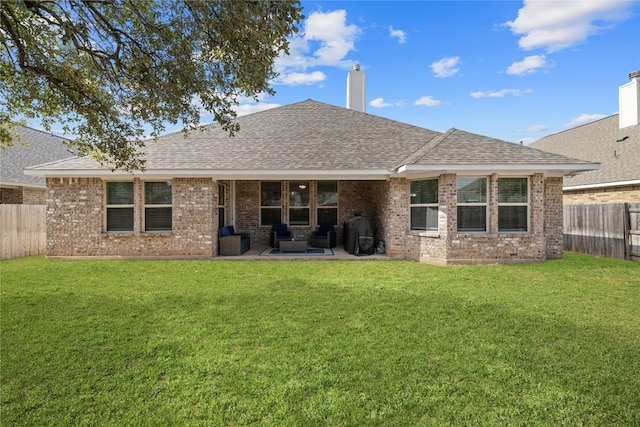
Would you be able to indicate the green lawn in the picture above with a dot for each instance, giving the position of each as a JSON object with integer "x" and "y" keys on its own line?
{"x": 309, "y": 343}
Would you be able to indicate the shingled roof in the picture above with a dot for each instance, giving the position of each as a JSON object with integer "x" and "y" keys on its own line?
{"x": 311, "y": 138}
{"x": 618, "y": 150}
{"x": 34, "y": 148}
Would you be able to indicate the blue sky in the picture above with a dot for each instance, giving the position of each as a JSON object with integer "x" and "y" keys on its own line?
{"x": 511, "y": 70}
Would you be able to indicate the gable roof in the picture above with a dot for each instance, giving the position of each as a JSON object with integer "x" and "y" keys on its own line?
{"x": 618, "y": 150}
{"x": 312, "y": 139}
{"x": 34, "y": 147}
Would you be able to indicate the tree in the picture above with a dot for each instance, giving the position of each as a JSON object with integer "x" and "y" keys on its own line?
{"x": 105, "y": 69}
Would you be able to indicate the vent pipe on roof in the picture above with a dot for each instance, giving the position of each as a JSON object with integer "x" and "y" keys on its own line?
{"x": 356, "y": 94}
{"x": 629, "y": 99}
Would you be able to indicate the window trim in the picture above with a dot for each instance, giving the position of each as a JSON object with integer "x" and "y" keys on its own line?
{"x": 291, "y": 207}
{"x": 280, "y": 207}
{"x": 514, "y": 204}
{"x": 319, "y": 206}
{"x": 146, "y": 206}
{"x": 435, "y": 204}
{"x": 476, "y": 204}
{"x": 108, "y": 206}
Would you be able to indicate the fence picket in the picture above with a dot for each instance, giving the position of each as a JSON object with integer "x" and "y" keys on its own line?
{"x": 22, "y": 230}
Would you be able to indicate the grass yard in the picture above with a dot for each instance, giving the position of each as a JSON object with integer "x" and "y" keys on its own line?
{"x": 308, "y": 343}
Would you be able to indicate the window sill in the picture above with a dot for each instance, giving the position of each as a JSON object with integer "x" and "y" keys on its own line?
{"x": 432, "y": 234}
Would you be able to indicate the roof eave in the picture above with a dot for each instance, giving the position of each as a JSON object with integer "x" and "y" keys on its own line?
{"x": 601, "y": 185}
{"x": 549, "y": 169}
{"x": 226, "y": 174}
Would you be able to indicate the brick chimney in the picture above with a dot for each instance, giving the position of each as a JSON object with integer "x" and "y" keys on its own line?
{"x": 356, "y": 94}
{"x": 629, "y": 98}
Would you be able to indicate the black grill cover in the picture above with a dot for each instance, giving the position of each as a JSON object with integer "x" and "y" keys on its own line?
{"x": 358, "y": 236}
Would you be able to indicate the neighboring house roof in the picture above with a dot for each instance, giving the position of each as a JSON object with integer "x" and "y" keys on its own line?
{"x": 33, "y": 147}
{"x": 312, "y": 139}
{"x": 618, "y": 150}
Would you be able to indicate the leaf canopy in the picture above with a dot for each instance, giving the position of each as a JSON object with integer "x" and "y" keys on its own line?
{"x": 107, "y": 70}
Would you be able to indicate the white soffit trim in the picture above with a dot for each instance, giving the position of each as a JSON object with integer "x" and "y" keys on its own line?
{"x": 240, "y": 174}
{"x": 559, "y": 169}
{"x": 603, "y": 185}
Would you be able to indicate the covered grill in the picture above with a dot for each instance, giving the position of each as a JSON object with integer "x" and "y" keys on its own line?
{"x": 358, "y": 236}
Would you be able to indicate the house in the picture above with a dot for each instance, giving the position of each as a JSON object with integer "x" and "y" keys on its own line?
{"x": 443, "y": 198}
{"x": 614, "y": 142}
{"x": 34, "y": 147}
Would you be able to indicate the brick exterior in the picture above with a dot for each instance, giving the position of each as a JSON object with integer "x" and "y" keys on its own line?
{"x": 618, "y": 194}
{"x": 76, "y": 212}
{"x": 23, "y": 196}
{"x": 447, "y": 246}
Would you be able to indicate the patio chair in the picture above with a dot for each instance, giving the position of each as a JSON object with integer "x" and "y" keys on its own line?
{"x": 232, "y": 243}
{"x": 279, "y": 232}
{"x": 324, "y": 236}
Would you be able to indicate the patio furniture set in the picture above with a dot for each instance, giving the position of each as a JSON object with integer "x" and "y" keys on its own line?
{"x": 232, "y": 243}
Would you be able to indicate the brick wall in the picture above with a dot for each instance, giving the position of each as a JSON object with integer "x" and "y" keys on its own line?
{"x": 75, "y": 221}
{"x": 34, "y": 196}
{"x": 11, "y": 196}
{"x": 618, "y": 194}
{"x": 447, "y": 246}
{"x": 553, "y": 215}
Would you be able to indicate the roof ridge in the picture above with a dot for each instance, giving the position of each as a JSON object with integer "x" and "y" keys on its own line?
{"x": 426, "y": 148}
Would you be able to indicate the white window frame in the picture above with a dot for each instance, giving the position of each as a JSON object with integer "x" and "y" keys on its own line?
{"x": 146, "y": 206}
{"x": 514, "y": 204}
{"x": 271, "y": 206}
{"x": 108, "y": 206}
{"x": 435, "y": 204}
{"x": 319, "y": 206}
{"x": 291, "y": 207}
{"x": 484, "y": 204}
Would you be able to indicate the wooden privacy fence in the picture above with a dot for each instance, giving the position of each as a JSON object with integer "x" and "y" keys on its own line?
{"x": 610, "y": 230}
{"x": 23, "y": 230}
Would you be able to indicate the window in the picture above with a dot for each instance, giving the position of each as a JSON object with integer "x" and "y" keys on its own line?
{"x": 327, "y": 195}
{"x": 513, "y": 204}
{"x": 157, "y": 206}
{"x": 221, "y": 205}
{"x": 299, "y": 203}
{"x": 472, "y": 204}
{"x": 270, "y": 203}
{"x": 424, "y": 204}
{"x": 119, "y": 206}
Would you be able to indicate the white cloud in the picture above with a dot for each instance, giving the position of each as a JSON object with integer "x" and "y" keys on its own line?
{"x": 294, "y": 79}
{"x": 326, "y": 39}
{"x": 398, "y": 34}
{"x": 529, "y": 65}
{"x": 244, "y": 109}
{"x": 583, "y": 119}
{"x": 427, "y": 101}
{"x": 446, "y": 67}
{"x": 556, "y": 25}
{"x": 536, "y": 128}
{"x": 381, "y": 103}
{"x": 500, "y": 93}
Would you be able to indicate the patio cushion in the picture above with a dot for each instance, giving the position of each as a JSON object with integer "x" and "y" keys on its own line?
{"x": 232, "y": 230}
{"x": 280, "y": 229}
{"x": 323, "y": 229}
{"x": 224, "y": 231}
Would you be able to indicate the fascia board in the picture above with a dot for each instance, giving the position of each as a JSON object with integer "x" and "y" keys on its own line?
{"x": 601, "y": 185}
{"x": 560, "y": 168}
{"x": 239, "y": 174}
